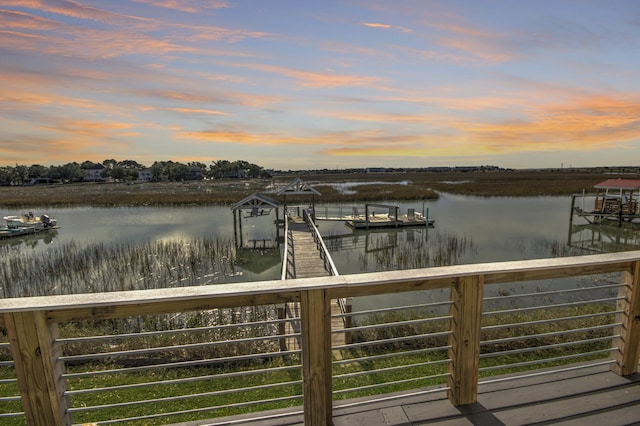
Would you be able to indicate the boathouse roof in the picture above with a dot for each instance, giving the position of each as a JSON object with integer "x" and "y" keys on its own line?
{"x": 256, "y": 200}
{"x": 298, "y": 187}
{"x": 628, "y": 184}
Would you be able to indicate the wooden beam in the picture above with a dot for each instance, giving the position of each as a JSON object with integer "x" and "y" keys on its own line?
{"x": 38, "y": 369}
{"x": 464, "y": 354}
{"x": 628, "y": 342}
{"x": 315, "y": 308}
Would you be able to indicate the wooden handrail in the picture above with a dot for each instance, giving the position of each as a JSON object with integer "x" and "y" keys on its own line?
{"x": 32, "y": 322}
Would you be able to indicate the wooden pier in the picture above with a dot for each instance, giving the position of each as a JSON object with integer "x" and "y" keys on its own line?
{"x": 305, "y": 259}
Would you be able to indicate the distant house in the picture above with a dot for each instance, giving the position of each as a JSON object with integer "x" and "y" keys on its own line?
{"x": 375, "y": 170}
{"x": 94, "y": 173}
{"x": 145, "y": 175}
{"x": 195, "y": 173}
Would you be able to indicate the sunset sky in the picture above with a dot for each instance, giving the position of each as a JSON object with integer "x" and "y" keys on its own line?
{"x": 293, "y": 84}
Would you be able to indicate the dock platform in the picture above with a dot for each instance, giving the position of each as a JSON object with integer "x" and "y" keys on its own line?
{"x": 6, "y": 234}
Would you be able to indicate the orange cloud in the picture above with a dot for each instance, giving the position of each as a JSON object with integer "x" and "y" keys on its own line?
{"x": 386, "y": 26}
{"x": 189, "y": 6}
{"x": 197, "y": 111}
{"x": 314, "y": 79}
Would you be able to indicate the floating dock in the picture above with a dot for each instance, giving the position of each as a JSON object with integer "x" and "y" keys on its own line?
{"x": 387, "y": 221}
{"x": 6, "y": 233}
{"x": 386, "y": 216}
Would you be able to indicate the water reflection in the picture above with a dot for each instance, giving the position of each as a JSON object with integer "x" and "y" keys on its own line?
{"x": 467, "y": 230}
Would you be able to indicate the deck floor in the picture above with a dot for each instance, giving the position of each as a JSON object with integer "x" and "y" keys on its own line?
{"x": 589, "y": 395}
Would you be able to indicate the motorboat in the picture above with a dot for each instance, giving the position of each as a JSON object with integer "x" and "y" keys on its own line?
{"x": 30, "y": 221}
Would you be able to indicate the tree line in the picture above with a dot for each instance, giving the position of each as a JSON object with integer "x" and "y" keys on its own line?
{"x": 129, "y": 170}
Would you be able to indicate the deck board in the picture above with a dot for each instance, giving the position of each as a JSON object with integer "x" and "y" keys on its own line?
{"x": 592, "y": 395}
{"x": 308, "y": 264}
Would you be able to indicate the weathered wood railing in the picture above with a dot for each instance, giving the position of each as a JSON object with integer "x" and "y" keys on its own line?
{"x": 32, "y": 323}
{"x": 329, "y": 266}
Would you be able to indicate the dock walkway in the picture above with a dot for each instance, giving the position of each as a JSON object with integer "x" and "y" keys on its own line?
{"x": 307, "y": 263}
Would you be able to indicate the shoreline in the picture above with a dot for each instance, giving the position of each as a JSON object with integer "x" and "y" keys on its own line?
{"x": 370, "y": 187}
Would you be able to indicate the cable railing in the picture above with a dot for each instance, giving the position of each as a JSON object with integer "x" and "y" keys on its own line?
{"x": 179, "y": 355}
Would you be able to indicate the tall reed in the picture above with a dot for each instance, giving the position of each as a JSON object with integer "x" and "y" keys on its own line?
{"x": 101, "y": 267}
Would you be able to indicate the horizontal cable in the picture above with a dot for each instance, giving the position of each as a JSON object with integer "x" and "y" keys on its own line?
{"x": 544, "y": 373}
{"x": 396, "y": 308}
{"x": 396, "y": 382}
{"x": 547, "y": 360}
{"x": 181, "y": 364}
{"x": 393, "y": 397}
{"x": 8, "y": 380}
{"x": 559, "y": 305}
{"x": 550, "y": 334}
{"x": 241, "y": 373}
{"x": 546, "y": 347}
{"x": 144, "y": 334}
{"x": 10, "y": 398}
{"x": 184, "y": 397}
{"x": 394, "y": 368}
{"x": 552, "y": 292}
{"x": 17, "y": 414}
{"x": 395, "y": 324}
{"x": 148, "y": 384}
{"x": 200, "y": 410}
{"x": 173, "y": 348}
{"x": 392, "y": 355}
{"x": 6, "y": 363}
{"x": 392, "y": 340}
{"x": 549, "y": 320}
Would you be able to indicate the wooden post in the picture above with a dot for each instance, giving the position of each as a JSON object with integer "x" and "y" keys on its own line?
{"x": 38, "y": 369}
{"x": 281, "y": 308}
{"x": 466, "y": 312}
{"x": 628, "y": 354}
{"x": 348, "y": 320}
{"x": 315, "y": 309}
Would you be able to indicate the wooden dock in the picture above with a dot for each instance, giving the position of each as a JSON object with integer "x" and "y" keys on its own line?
{"x": 387, "y": 216}
{"x": 386, "y": 221}
{"x": 6, "y": 234}
{"x": 307, "y": 263}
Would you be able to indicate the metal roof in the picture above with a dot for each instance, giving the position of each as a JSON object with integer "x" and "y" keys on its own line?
{"x": 256, "y": 200}
{"x": 628, "y": 184}
{"x": 298, "y": 187}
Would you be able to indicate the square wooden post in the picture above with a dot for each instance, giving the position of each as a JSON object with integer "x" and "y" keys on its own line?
{"x": 315, "y": 308}
{"x": 281, "y": 309}
{"x": 628, "y": 354}
{"x": 38, "y": 368}
{"x": 464, "y": 354}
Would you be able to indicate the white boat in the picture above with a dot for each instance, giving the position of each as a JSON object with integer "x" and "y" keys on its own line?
{"x": 30, "y": 221}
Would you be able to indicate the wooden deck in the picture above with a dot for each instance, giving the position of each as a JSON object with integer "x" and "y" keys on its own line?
{"x": 583, "y": 396}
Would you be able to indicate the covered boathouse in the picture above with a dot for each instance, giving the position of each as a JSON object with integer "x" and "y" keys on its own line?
{"x": 614, "y": 200}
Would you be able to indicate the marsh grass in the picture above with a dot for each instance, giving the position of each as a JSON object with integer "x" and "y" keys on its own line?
{"x": 424, "y": 185}
{"x": 440, "y": 249}
{"x": 100, "y": 267}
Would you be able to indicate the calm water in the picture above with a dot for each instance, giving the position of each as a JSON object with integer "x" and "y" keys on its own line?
{"x": 485, "y": 230}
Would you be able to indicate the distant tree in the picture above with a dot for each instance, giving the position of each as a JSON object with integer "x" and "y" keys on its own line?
{"x": 37, "y": 171}
{"x": 109, "y": 163}
{"x": 6, "y": 174}
{"x": 71, "y": 172}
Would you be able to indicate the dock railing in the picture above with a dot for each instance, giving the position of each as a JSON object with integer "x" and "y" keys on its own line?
{"x": 329, "y": 266}
{"x": 224, "y": 340}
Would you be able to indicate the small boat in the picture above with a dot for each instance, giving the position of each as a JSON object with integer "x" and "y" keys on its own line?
{"x": 30, "y": 221}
